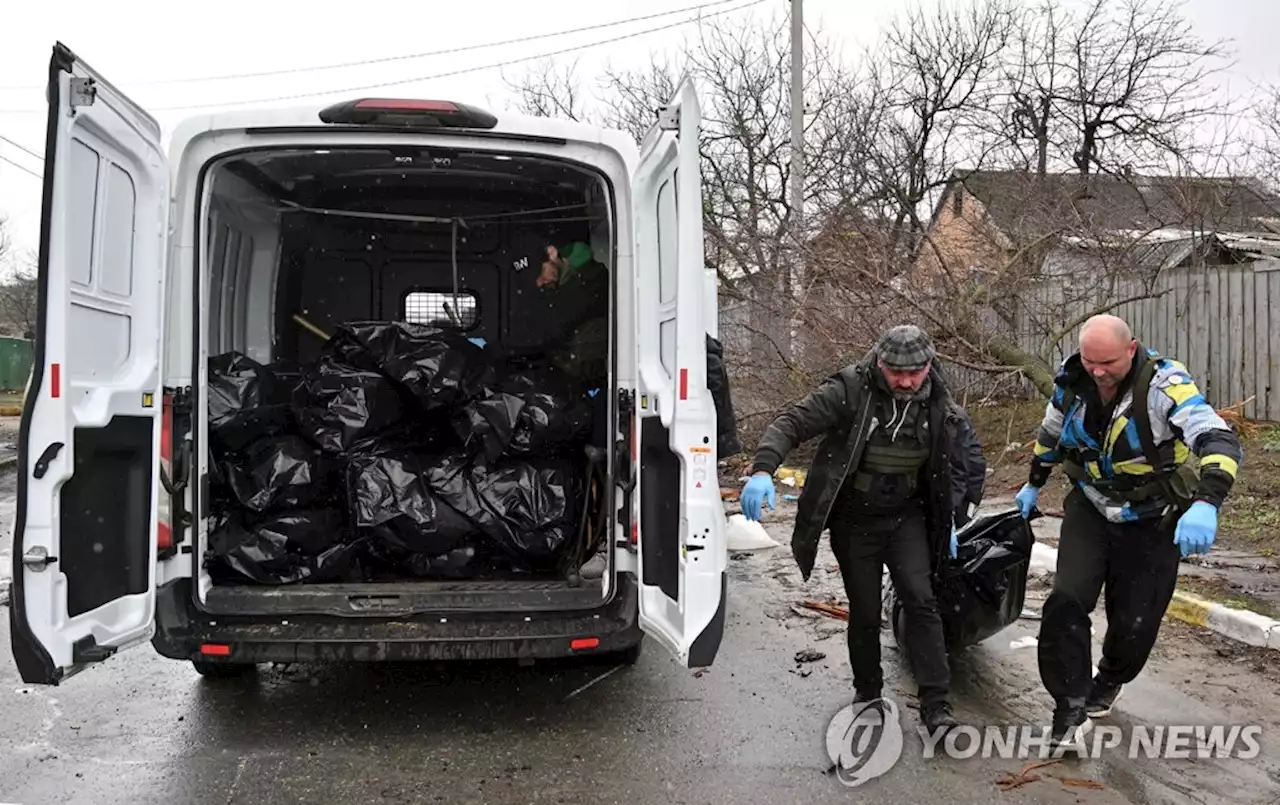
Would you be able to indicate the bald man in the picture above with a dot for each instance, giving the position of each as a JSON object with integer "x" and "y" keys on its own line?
{"x": 1123, "y": 422}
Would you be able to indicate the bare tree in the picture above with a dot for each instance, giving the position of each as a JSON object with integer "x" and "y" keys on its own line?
{"x": 933, "y": 72}
{"x": 1117, "y": 88}
{"x": 549, "y": 90}
{"x": 18, "y": 292}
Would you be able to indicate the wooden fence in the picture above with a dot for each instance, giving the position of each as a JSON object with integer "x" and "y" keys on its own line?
{"x": 1215, "y": 319}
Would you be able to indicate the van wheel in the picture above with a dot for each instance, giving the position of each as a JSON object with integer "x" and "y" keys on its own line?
{"x": 221, "y": 670}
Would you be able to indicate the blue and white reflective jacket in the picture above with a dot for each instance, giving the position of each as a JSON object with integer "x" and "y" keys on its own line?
{"x": 1112, "y": 462}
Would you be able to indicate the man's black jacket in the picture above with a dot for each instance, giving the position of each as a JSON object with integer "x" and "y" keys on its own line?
{"x": 838, "y": 410}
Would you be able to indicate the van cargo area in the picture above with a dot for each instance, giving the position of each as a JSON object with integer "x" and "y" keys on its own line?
{"x": 405, "y": 409}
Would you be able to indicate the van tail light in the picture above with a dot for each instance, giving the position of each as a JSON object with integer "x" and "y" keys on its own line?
{"x": 407, "y": 113}
{"x": 164, "y": 522}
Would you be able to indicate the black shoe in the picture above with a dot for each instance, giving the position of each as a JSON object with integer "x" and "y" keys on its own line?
{"x": 867, "y": 701}
{"x": 937, "y": 716}
{"x": 1102, "y": 697}
{"x": 1070, "y": 725}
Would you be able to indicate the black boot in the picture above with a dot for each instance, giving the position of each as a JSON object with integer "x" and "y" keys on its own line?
{"x": 937, "y": 716}
{"x": 1070, "y": 725}
{"x": 1102, "y": 697}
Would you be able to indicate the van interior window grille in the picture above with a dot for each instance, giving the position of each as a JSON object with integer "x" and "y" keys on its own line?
{"x": 434, "y": 309}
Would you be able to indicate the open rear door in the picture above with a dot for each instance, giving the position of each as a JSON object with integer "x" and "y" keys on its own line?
{"x": 681, "y": 523}
{"x": 84, "y": 546}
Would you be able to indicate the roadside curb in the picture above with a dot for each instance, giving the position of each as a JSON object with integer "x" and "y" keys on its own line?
{"x": 1241, "y": 625}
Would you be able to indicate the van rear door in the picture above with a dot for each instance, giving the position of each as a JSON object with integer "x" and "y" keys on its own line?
{"x": 84, "y": 545}
{"x": 681, "y": 523}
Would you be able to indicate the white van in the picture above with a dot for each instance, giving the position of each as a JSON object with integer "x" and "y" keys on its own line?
{"x": 150, "y": 266}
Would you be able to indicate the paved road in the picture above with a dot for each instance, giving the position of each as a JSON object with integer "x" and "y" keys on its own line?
{"x": 139, "y": 729}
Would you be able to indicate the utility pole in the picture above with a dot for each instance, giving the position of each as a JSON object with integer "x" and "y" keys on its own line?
{"x": 797, "y": 168}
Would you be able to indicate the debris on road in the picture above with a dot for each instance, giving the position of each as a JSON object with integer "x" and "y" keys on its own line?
{"x": 1011, "y": 781}
{"x": 809, "y": 655}
{"x": 1024, "y": 642}
{"x": 830, "y": 610}
{"x": 1075, "y": 782}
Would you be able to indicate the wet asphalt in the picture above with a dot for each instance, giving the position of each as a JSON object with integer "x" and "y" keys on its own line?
{"x": 142, "y": 729}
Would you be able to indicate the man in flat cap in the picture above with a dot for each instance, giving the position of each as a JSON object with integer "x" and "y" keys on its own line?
{"x": 897, "y": 471}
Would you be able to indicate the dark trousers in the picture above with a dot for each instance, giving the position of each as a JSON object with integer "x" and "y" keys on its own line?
{"x": 863, "y": 545}
{"x": 1138, "y": 564}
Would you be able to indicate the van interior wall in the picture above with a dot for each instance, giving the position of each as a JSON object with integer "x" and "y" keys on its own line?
{"x": 303, "y": 306}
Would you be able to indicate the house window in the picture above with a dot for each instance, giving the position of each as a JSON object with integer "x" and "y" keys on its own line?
{"x": 957, "y": 201}
{"x": 433, "y": 308}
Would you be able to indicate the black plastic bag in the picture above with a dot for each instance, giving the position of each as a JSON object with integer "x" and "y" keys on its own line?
{"x": 531, "y": 412}
{"x": 528, "y": 510}
{"x": 392, "y": 502}
{"x": 288, "y": 548}
{"x": 727, "y": 443}
{"x": 345, "y": 410}
{"x": 441, "y": 369}
{"x": 277, "y": 475}
{"x": 246, "y": 403}
{"x": 983, "y": 589}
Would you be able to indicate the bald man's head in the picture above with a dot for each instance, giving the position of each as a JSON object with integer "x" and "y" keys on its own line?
{"x": 1114, "y": 326}
{"x": 1107, "y": 348}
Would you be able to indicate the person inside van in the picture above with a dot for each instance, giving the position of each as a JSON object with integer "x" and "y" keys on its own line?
{"x": 575, "y": 286}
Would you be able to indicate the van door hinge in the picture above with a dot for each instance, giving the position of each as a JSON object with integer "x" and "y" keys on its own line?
{"x": 38, "y": 558}
{"x": 83, "y": 91}
{"x": 668, "y": 119}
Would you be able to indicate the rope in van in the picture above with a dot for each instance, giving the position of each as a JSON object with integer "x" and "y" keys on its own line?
{"x": 432, "y": 219}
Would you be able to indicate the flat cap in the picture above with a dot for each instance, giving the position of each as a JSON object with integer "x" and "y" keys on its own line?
{"x": 906, "y": 348}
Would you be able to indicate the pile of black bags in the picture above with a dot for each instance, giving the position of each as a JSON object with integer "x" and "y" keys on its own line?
{"x": 405, "y": 450}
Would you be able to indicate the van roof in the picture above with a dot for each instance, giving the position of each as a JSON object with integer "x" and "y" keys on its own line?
{"x": 308, "y": 117}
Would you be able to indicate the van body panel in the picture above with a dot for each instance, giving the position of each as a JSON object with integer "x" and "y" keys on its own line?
{"x": 84, "y": 546}
{"x": 683, "y": 549}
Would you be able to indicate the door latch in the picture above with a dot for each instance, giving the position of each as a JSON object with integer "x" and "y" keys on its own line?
{"x": 38, "y": 558}
{"x": 83, "y": 91}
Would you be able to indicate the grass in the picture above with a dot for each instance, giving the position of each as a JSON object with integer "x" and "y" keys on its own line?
{"x": 1249, "y": 521}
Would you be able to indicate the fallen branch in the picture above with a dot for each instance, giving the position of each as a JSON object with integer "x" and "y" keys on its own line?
{"x": 830, "y": 610}
{"x": 1012, "y": 781}
{"x": 1077, "y": 783}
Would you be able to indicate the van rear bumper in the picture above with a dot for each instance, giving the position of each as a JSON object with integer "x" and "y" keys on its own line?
{"x": 182, "y": 632}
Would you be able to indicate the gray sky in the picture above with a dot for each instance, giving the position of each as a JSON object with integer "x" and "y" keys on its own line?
{"x": 142, "y": 42}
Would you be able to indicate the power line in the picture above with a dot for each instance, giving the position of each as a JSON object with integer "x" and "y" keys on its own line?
{"x": 455, "y": 72}
{"x": 4, "y": 158}
{"x": 21, "y": 147}
{"x": 410, "y": 56}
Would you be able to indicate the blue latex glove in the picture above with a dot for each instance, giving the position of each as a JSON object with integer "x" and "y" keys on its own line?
{"x": 953, "y": 542}
{"x": 1197, "y": 528}
{"x": 1026, "y": 499}
{"x": 754, "y": 494}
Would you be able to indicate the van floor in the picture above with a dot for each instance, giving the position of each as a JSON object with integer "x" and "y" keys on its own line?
{"x": 406, "y": 597}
